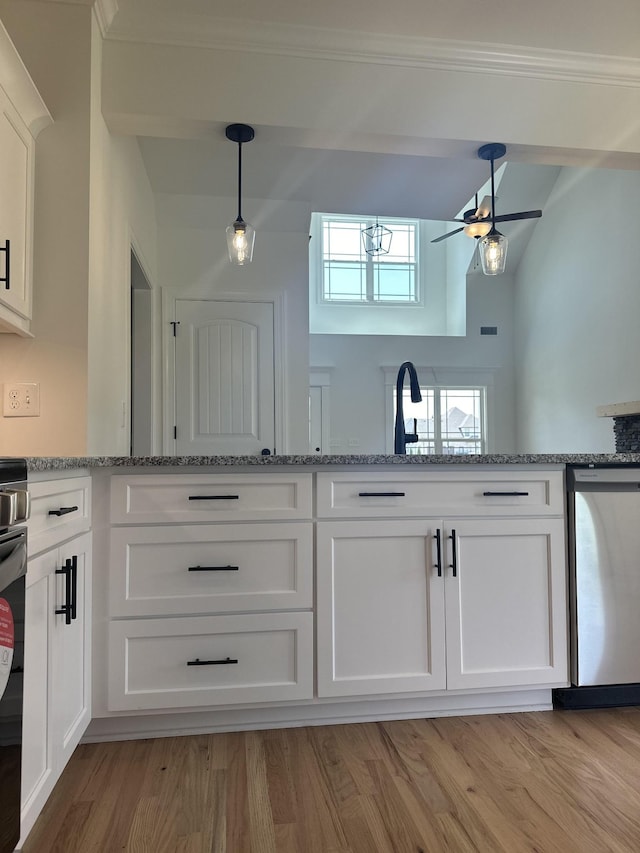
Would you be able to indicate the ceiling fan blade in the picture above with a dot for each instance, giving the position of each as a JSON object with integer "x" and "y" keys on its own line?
{"x": 524, "y": 214}
{"x": 484, "y": 209}
{"x": 449, "y": 234}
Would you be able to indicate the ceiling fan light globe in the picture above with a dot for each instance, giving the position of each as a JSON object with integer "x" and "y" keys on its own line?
{"x": 493, "y": 253}
{"x": 477, "y": 229}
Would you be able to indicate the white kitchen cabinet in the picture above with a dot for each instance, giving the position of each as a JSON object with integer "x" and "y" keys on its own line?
{"x": 22, "y": 116}
{"x": 506, "y": 621}
{"x": 380, "y": 608}
{"x": 457, "y": 604}
{"x": 198, "y": 661}
{"x": 210, "y": 598}
{"x": 57, "y": 668}
{"x": 194, "y": 569}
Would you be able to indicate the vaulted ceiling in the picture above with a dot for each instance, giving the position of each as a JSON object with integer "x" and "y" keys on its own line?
{"x": 372, "y": 107}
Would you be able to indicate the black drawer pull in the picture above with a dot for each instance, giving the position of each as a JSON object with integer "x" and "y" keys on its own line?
{"x": 213, "y": 568}
{"x": 505, "y": 494}
{"x": 381, "y": 494}
{"x": 64, "y": 510}
{"x": 7, "y": 267}
{"x": 224, "y": 662}
{"x": 214, "y": 497}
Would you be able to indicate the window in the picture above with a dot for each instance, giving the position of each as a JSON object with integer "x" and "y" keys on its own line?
{"x": 449, "y": 420}
{"x": 350, "y": 275}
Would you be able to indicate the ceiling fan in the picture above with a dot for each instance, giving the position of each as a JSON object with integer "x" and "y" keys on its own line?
{"x": 480, "y": 221}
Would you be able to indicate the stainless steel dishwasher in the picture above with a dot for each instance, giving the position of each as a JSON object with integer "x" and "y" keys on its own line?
{"x": 604, "y": 585}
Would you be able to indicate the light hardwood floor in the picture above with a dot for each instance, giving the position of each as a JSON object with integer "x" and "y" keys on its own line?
{"x": 550, "y": 782}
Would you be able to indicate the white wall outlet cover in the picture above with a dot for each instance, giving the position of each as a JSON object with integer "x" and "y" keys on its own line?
{"x": 21, "y": 399}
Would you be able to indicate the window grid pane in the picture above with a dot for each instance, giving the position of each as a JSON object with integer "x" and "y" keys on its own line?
{"x": 344, "y": 281}
{"x": 460, "y": 429}
{"x": 390, "y": 278}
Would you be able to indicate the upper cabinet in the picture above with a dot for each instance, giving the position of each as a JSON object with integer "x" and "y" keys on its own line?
{"x": 23, "y": 114}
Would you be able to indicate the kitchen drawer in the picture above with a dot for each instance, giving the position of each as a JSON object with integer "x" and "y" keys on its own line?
{"x": 191, "y": 569}
{"x": 149, "y": 498}
{"x": 265, "y": 658}
{"x": 60, "y": 509}
{"x": 440, "y": 492}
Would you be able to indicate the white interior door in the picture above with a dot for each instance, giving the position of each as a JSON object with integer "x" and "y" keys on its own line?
{"x": 224, "y": 377}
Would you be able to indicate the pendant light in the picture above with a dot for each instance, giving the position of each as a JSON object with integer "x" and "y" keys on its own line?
{"x": 493, "y": 247}
{"x": 240, "y": 234}
{"x": 376, "y": 239}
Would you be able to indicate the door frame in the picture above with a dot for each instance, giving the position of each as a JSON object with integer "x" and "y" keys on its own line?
{"x": 281, "y": 408}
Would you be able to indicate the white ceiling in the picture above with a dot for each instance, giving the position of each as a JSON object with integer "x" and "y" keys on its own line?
{"x": 350, "y": 175}
{"x": 588, "y": 26}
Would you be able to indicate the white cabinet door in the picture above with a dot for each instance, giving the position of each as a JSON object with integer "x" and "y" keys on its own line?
{"x": 380, "y": 608}
{"x": 37, "y": 752}
{"x": 71, "y": 645}
{"x": 506, "y": 604}
{"x": 56, "y": 672}
{"x": 224, "y": 377}
{"x": 16, "y": 145}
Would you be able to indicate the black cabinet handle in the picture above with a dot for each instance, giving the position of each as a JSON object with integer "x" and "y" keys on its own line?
{"x": 70, "y": 607}
{"x": 381, "y": 494}
{"x": 7, "y": 264}
{"x": 214, "y": 497}
{"x": 64, "y": 510}
{"x": 224, "y": 662}
{"x": 74, "y": 587}
{"x": 454, "y": 554}
{"x": 213, "y": 568}
{"x": 438, "y": 553}
{"x": 505, "y": 494}
{"x": 66, "y": 608}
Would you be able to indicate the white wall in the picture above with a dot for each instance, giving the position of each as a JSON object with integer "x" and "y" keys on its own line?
{"x": 441, "y": 272}
{"x": 193, "y": 263}
{"x": 577, "y": 308}
{"x": 54, "y": 41}
{"x": 357, "y": 382}
{"x": 122, "y": 214}
{"x": 92, "y": 198}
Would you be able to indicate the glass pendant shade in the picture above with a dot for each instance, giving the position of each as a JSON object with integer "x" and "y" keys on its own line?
{"x": 240, "y": 238}
{"x": 493, "y": 253}
{"x": 377, "y": 239}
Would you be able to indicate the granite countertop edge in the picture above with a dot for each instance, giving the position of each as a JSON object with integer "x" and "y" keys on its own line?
{"x": 61, "y": 463}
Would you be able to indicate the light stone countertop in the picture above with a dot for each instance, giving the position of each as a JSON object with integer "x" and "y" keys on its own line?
{"x": 62, "y": 463}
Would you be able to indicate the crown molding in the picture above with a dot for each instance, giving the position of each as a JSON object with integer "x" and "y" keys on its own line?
{"x": 105, "y": 11}
{"x": 20, "y": 88}
{"x": 206, "y": 32}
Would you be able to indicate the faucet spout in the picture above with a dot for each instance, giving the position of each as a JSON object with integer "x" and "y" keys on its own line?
{"x": 401, "y": 437}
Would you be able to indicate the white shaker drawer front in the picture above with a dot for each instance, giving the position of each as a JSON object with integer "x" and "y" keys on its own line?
{"x": 60, "y": 509}
{"x": 447, "y": 492}
{"x": 149, "y": 498}
{"x": 198, "y": 569}
{"x": 216, "y": 660}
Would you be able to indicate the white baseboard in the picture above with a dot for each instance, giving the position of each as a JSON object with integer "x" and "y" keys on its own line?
{"x": 145, "y": 725}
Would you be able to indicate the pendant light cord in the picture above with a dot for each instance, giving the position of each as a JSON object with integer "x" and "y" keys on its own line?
{"x": 239, "y": 180}
{"x": 493, "y": 199}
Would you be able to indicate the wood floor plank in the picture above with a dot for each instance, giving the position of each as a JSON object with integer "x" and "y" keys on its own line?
{"x": 540, "y": 782}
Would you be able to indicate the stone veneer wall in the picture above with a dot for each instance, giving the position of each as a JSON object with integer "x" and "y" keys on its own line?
{"x": 626, "y": 430}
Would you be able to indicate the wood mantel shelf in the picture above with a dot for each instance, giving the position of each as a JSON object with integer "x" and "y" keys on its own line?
{"x": 617, "y": 410}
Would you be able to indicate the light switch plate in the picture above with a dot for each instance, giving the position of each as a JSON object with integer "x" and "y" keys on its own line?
{"x": 21, "y": 399}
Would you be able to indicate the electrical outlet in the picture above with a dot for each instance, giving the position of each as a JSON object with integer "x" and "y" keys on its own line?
{"x": 21, "y": 399}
